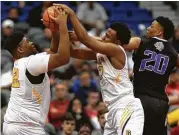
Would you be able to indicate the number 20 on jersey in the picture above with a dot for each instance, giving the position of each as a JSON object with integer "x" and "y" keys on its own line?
{"x": 161, "y": 62}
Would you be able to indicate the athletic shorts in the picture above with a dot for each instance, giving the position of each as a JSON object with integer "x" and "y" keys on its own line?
{"x": 125, "y": 119}
{"x": 155, "y": 112}
{"x": 16, "y": 129}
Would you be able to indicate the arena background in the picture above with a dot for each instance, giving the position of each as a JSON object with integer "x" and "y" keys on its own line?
{"x": 75, "y": 86}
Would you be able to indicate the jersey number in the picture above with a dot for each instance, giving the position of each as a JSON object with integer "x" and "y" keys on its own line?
{"x": 161, "y": 62}
{"x": 15, "y": 77}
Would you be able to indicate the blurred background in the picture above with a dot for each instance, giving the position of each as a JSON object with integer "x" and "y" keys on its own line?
{"x": 75, "y": 86}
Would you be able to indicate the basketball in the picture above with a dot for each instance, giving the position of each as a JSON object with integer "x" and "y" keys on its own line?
{"x": 47, "y": 21}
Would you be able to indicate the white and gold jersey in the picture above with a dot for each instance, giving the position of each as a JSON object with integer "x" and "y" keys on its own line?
{"x": 29, "y": 103}
{"x": 114, "y": 83}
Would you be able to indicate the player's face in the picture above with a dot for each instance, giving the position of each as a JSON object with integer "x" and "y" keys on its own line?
{"x": 110, "y": 36}
{"x": 154, "y": 30}
{"x": 27, "y": 47}
{"x": 68, "y": 127}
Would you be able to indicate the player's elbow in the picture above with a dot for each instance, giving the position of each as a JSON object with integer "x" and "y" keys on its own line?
{"x": 64, "y": 60}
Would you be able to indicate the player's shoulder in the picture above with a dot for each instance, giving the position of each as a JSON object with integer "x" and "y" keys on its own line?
{"x": 38, "y": 54}
{"x": 42, "y": 53}
{"x": 25, "y": 59}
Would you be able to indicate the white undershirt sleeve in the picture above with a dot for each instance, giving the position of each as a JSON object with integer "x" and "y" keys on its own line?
{"x": 38, "y": 64}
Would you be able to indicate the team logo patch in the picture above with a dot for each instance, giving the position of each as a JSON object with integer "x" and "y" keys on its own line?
{"x": 159, "y": 46}
{"x": 100, "y": 69}
{"x": 128, "y": 132}
{"x": 100, "y": 66}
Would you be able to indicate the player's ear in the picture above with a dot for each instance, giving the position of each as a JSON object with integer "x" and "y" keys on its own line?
{"x": 19, "y": 49}
{"x": 159, "y": 33}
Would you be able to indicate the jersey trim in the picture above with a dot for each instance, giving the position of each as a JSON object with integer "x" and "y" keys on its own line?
{"x": 160, "y": 39}
{"x": 35, "y": 79}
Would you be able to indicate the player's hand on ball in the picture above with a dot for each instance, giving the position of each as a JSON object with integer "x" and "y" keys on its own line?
{"x": 68, "y": 10}
{"x": 72, "y": 36}
{"x": 61, "y": 16}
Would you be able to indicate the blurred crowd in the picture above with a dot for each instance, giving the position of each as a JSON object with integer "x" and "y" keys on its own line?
{"x": 76, "y": 104}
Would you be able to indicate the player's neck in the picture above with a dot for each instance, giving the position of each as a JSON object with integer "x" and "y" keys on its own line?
{"x": 160, "y": 37}
{"x": 16, "y": 57}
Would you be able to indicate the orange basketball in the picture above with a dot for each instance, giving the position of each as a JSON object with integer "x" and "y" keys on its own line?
{"x": 47, "y": 21}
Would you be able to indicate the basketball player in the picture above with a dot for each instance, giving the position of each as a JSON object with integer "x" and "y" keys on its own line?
{"x": 30, "y": 91}
{"x": 154, "y": 60}
{"x": 125, "y": 114}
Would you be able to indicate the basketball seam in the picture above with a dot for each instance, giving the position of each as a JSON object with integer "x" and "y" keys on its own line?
{"x": 47, "y": 21}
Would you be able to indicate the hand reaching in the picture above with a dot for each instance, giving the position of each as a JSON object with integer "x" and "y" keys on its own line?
{"x": 65, "y": 8}
{"x": 61, "y": 16}
{"x": 72, "y": 36}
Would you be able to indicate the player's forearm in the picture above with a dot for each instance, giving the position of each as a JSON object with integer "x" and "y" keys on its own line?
{"x": 83, "y": 54}
{"x": 54, "y": 42}
{"x": 80, "y": 30}
{"x": 75, "y": 53}
{"x": 64, "y": 44}
{"x": 89, "y": 23}
{"x": 133, "y": 44}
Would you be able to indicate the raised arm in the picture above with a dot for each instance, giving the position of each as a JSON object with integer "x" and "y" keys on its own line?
{"x": 95, "y": 45}
{"x": 54, "y": 42}
{"x": 42, "y": 63}
{"x": 133, "y": 44}
{"x": 63, "y": 54}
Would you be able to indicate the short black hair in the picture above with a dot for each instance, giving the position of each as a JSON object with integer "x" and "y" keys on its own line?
{"x": 167, "y": 25}
{"x": 123, "y": 32}
{"x": 13, "y": 41}
{"x": 68, "y": 117}
{"x": 86, "y": 125}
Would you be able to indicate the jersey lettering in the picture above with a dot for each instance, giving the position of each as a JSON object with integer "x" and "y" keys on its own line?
{"x": 161, "y": 62}
{"x": 15, "y": 77}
